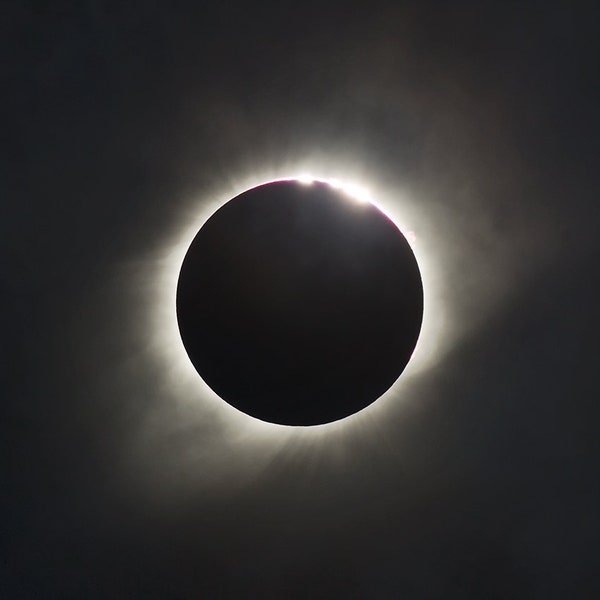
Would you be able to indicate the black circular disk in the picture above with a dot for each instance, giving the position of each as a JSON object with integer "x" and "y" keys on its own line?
{"x": 298, "y": 304}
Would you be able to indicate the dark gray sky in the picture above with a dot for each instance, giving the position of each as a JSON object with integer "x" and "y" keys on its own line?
{"x": 475, "y": 125}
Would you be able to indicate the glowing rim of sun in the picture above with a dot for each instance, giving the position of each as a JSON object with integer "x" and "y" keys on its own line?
{"x": 182, "y": 373}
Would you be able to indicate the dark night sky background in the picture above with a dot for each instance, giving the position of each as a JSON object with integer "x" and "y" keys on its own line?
{"x": 123, "y": 122}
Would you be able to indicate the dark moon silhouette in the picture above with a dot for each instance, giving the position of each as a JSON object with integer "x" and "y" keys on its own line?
{"x": 299, "y": 305}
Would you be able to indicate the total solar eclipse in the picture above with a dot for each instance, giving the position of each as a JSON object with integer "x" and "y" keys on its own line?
{"x": 299, "y": 304}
